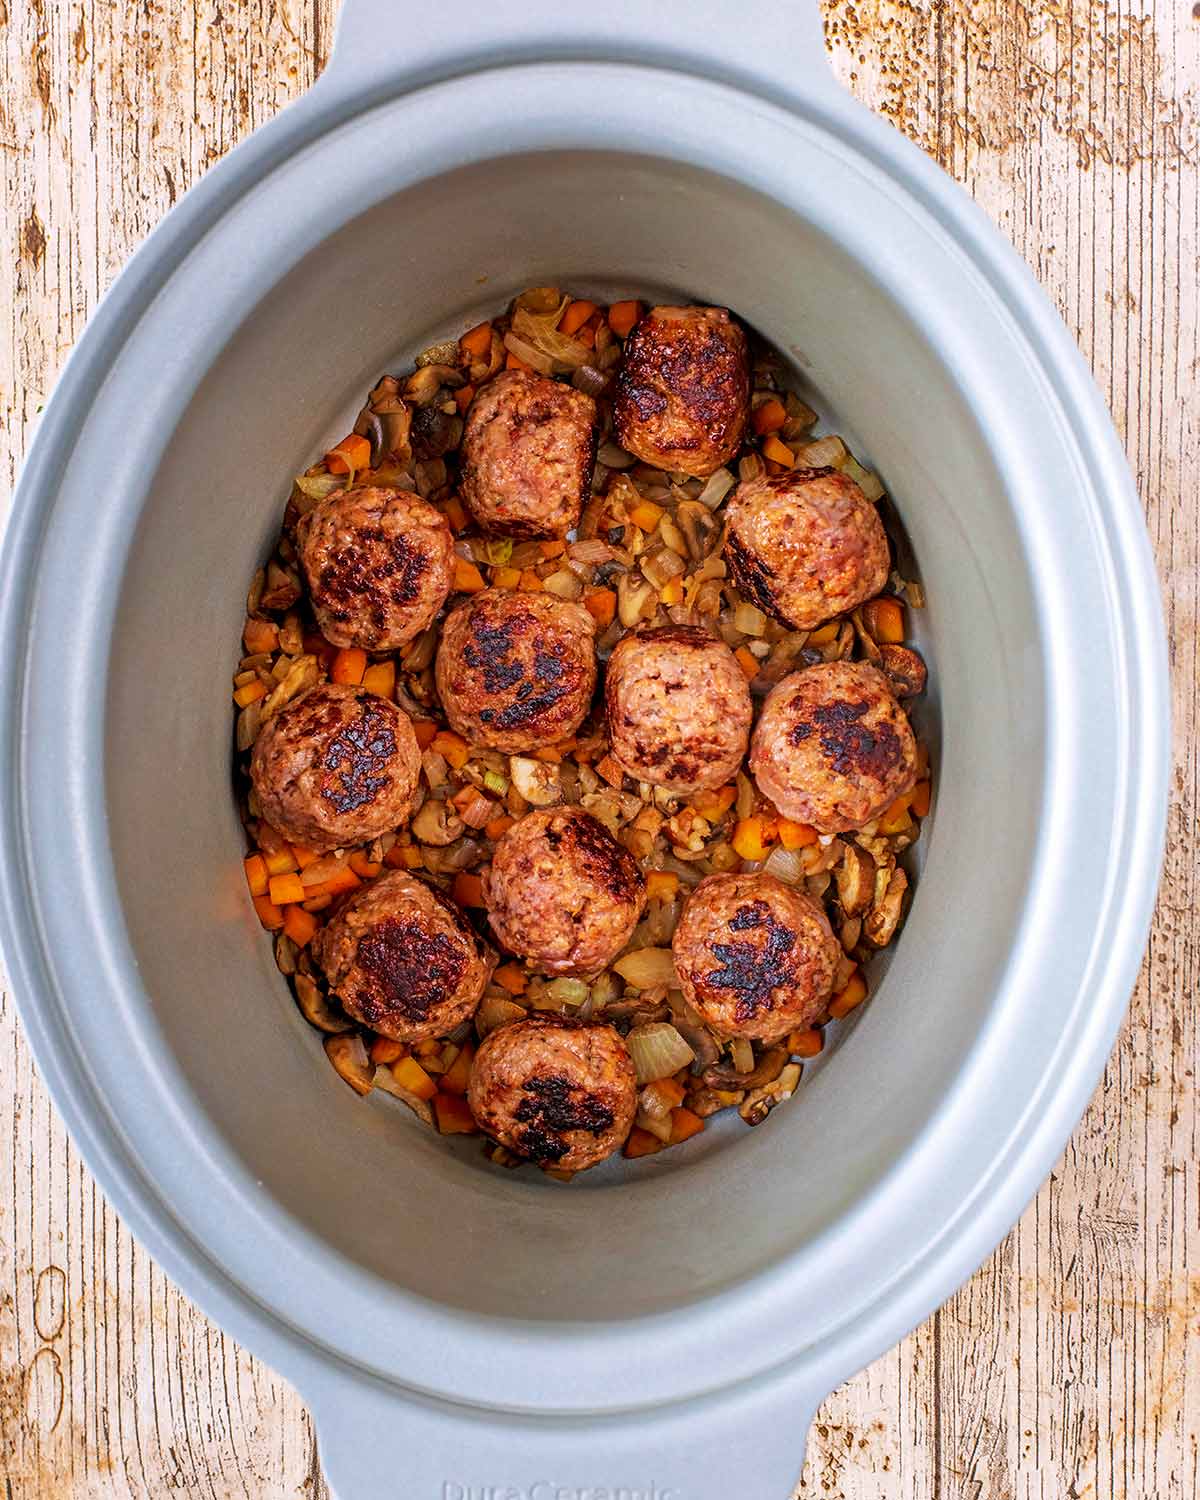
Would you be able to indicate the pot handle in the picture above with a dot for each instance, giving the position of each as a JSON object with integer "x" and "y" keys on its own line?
{"x": 376, "y": 1445}
{"x": 773, "y": 49}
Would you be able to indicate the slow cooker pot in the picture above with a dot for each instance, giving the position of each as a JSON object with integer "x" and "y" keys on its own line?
{"x": 667, "y": 1331}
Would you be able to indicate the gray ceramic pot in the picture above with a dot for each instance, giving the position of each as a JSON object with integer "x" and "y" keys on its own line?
{"x": 668, "y": 1331}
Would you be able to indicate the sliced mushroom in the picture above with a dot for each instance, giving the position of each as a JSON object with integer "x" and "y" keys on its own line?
{"x": 422, "y": 385}
{"x": 904, "y": 670}
{"x": 385, "y": 1079}
{"x": 435, "y": 824}
{"x": 298, "y": 678}
{"x": 349, "y": 1058}
{"x": 767, "y": 1070}
{"x": 866, "y": 640}
{"x": 494, "y": 1012}
{"x": 759, "y": 1102}
{"x": 315, "y": 1007}
{"x": 704, "y": 1101}
{"x": 281, "y": 590}
{"x": 855, "y": 880}
{"x": 285, "y": 954}
{"x": 537, "y": 781}
{"x": 434, "y": 433}
{"x": 884, "y": 917}
{"x": 701, "y": 529}
{"x": 849, "y": 933}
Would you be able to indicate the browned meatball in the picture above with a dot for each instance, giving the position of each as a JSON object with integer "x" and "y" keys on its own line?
{"x": 527, "y": 455}
{"x": 516, "y": 671}
{"x": 683, "y": 389}
{"x": 338, "y": 766}
{"x": 562, "y": 1093}
{"x": 833, "y": 747}
{"x": 562, "y": 893}
{"x": 805, "y": 545}
{"x": 754, "y": 956}
{"x": 403, "y": 959}
{"x": 379, "y": 565}
{"x": 678, "y": 708}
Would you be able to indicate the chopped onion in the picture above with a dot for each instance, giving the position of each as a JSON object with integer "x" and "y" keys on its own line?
{"x": 785, "y": 864}
{"x": 568, "y": 991}
{"x": 496, "y": 1011}
{"x": 825, "y": 453}
{"x": 749, "y": 620}
{"x": 646, "y": 967}
{"x": 743, "y": 1054}
{"x": 564, "y": 583}
{"x": 658, "y": 1051}
{"x": 613, "y": 457}
{"x": 318, "y": 486}
{"x": 868, "y": 482}
{"x": 718, "y": 486}
{"x": 534, "y": 357}
{"x": 445, "y": 353}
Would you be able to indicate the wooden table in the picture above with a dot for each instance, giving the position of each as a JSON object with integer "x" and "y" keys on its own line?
{"x": 1060, "y": 1370}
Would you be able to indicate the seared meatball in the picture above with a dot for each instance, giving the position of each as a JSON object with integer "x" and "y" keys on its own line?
{"x": 562, "y": 892}
{"x": 379, "y": 564}
{"x": 562, "y": 1093}
{"x": 754, "y": 956}
{"x": 338, "y": 766}
{"x": 403, "y": 959}
{"x": 833, "y": 747}
{"x": 683, "y": 389}
{"x": 678, "y": 708}
{"x": 805, "y": 545}
{"x": 516, "y": 671}
{"x": 527, "y": 455}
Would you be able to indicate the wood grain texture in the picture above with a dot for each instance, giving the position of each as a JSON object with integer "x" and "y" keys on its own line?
{"x": 1060, "y": 1372}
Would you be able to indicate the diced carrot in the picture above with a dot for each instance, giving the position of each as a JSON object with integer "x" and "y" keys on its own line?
{"x": 251, "y": 693}
{"x": 806, "y": 1042}
{"x": 385, "y": 1049}
{"x": 403, "y": 857}
{"x": 477, "y": 341}
{"x": 256, "y": 874}
{"x": 530, "y": 580}
{"x": 452, "y": 746}
{"x": 551, "y": 754}
{"x": 412, "y": 1076}
{"x": 463, "y": 398}
{"x": 551, "y": 550}
{"x": 684, "y": 1125}
{"x": 646, "y": 516}
{"x": 716, "y": 803}
{"x": 575, "y": 317}
{"x": 824, "y": 635}
{"x": 353, "y": 452}
{"x": 380, "y": 677}
{"x": 304, "y": 856}
{"x": 285, "y": 888}
{"x": 622, "y": 316}
{"x": 454, "y": 1116}
{"x": 778, "y": 453}
{"x": 514, "y": 363}
{"x": 361, "y": 865}
{"x": 349, "y": 666}
{"x": 920, "y": 799}
{"x": 796, "y": 835}
{"x": 768, "y": 417}
{"x": 884, "y": 619}
{"x": 895, "y": 818}
{"x": 455, "y": 513}
{"x": 641, "y": 1143}
{"x": 260, "y": 636}
{"x": 748, "y": 662}
{"x": 467, "y": 577}
{"x": 498, "y": 827}
{"x": 468, "y": 889}
{"x": 300, "y": 925}
{"x": 426, "y": 732}
{"x": 664, "y": 883}
{"x": 512, "y": 978}
{"x": 506, "y": 578}
{"x": 852, "y": 994}
{"x": 672, "y": 592}
{"x": 601, "y": 604}
{"x": 268, "y": 913}
{"x": 457, "y": 1075}
{"x": 670, "y": 1091}
{"x": 342, "y": 880}
{"x": 753, "y": 837}
{"x": 611, "y": 772}
{"x": 279, "y": 861}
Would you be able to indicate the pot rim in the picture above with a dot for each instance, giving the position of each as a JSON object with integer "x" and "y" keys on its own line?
{"x": 1032, "y": 1141}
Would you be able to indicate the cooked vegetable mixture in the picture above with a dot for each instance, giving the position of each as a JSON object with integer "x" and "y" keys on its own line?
{"x": 571, "y": 738}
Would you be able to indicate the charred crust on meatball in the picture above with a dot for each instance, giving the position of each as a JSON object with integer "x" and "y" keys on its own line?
{"x": 357, "y": 760}
{"x": 693, "y": 361}
{"x": 490, "y": 652}
{"x": 409, "y": 969}
{"x": 678, "y": 635}
{"x": 353, "y": 580}
{"x": 606, "y": 862}
{"x": 752, "y": 577}
{"x": 850, "y": 746}
{"x": 552, "y": 1106}
{"x": 752, "y": 970}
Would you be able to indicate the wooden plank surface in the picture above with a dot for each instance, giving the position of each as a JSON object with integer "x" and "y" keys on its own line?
{"x": 1060, "y": 1372}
